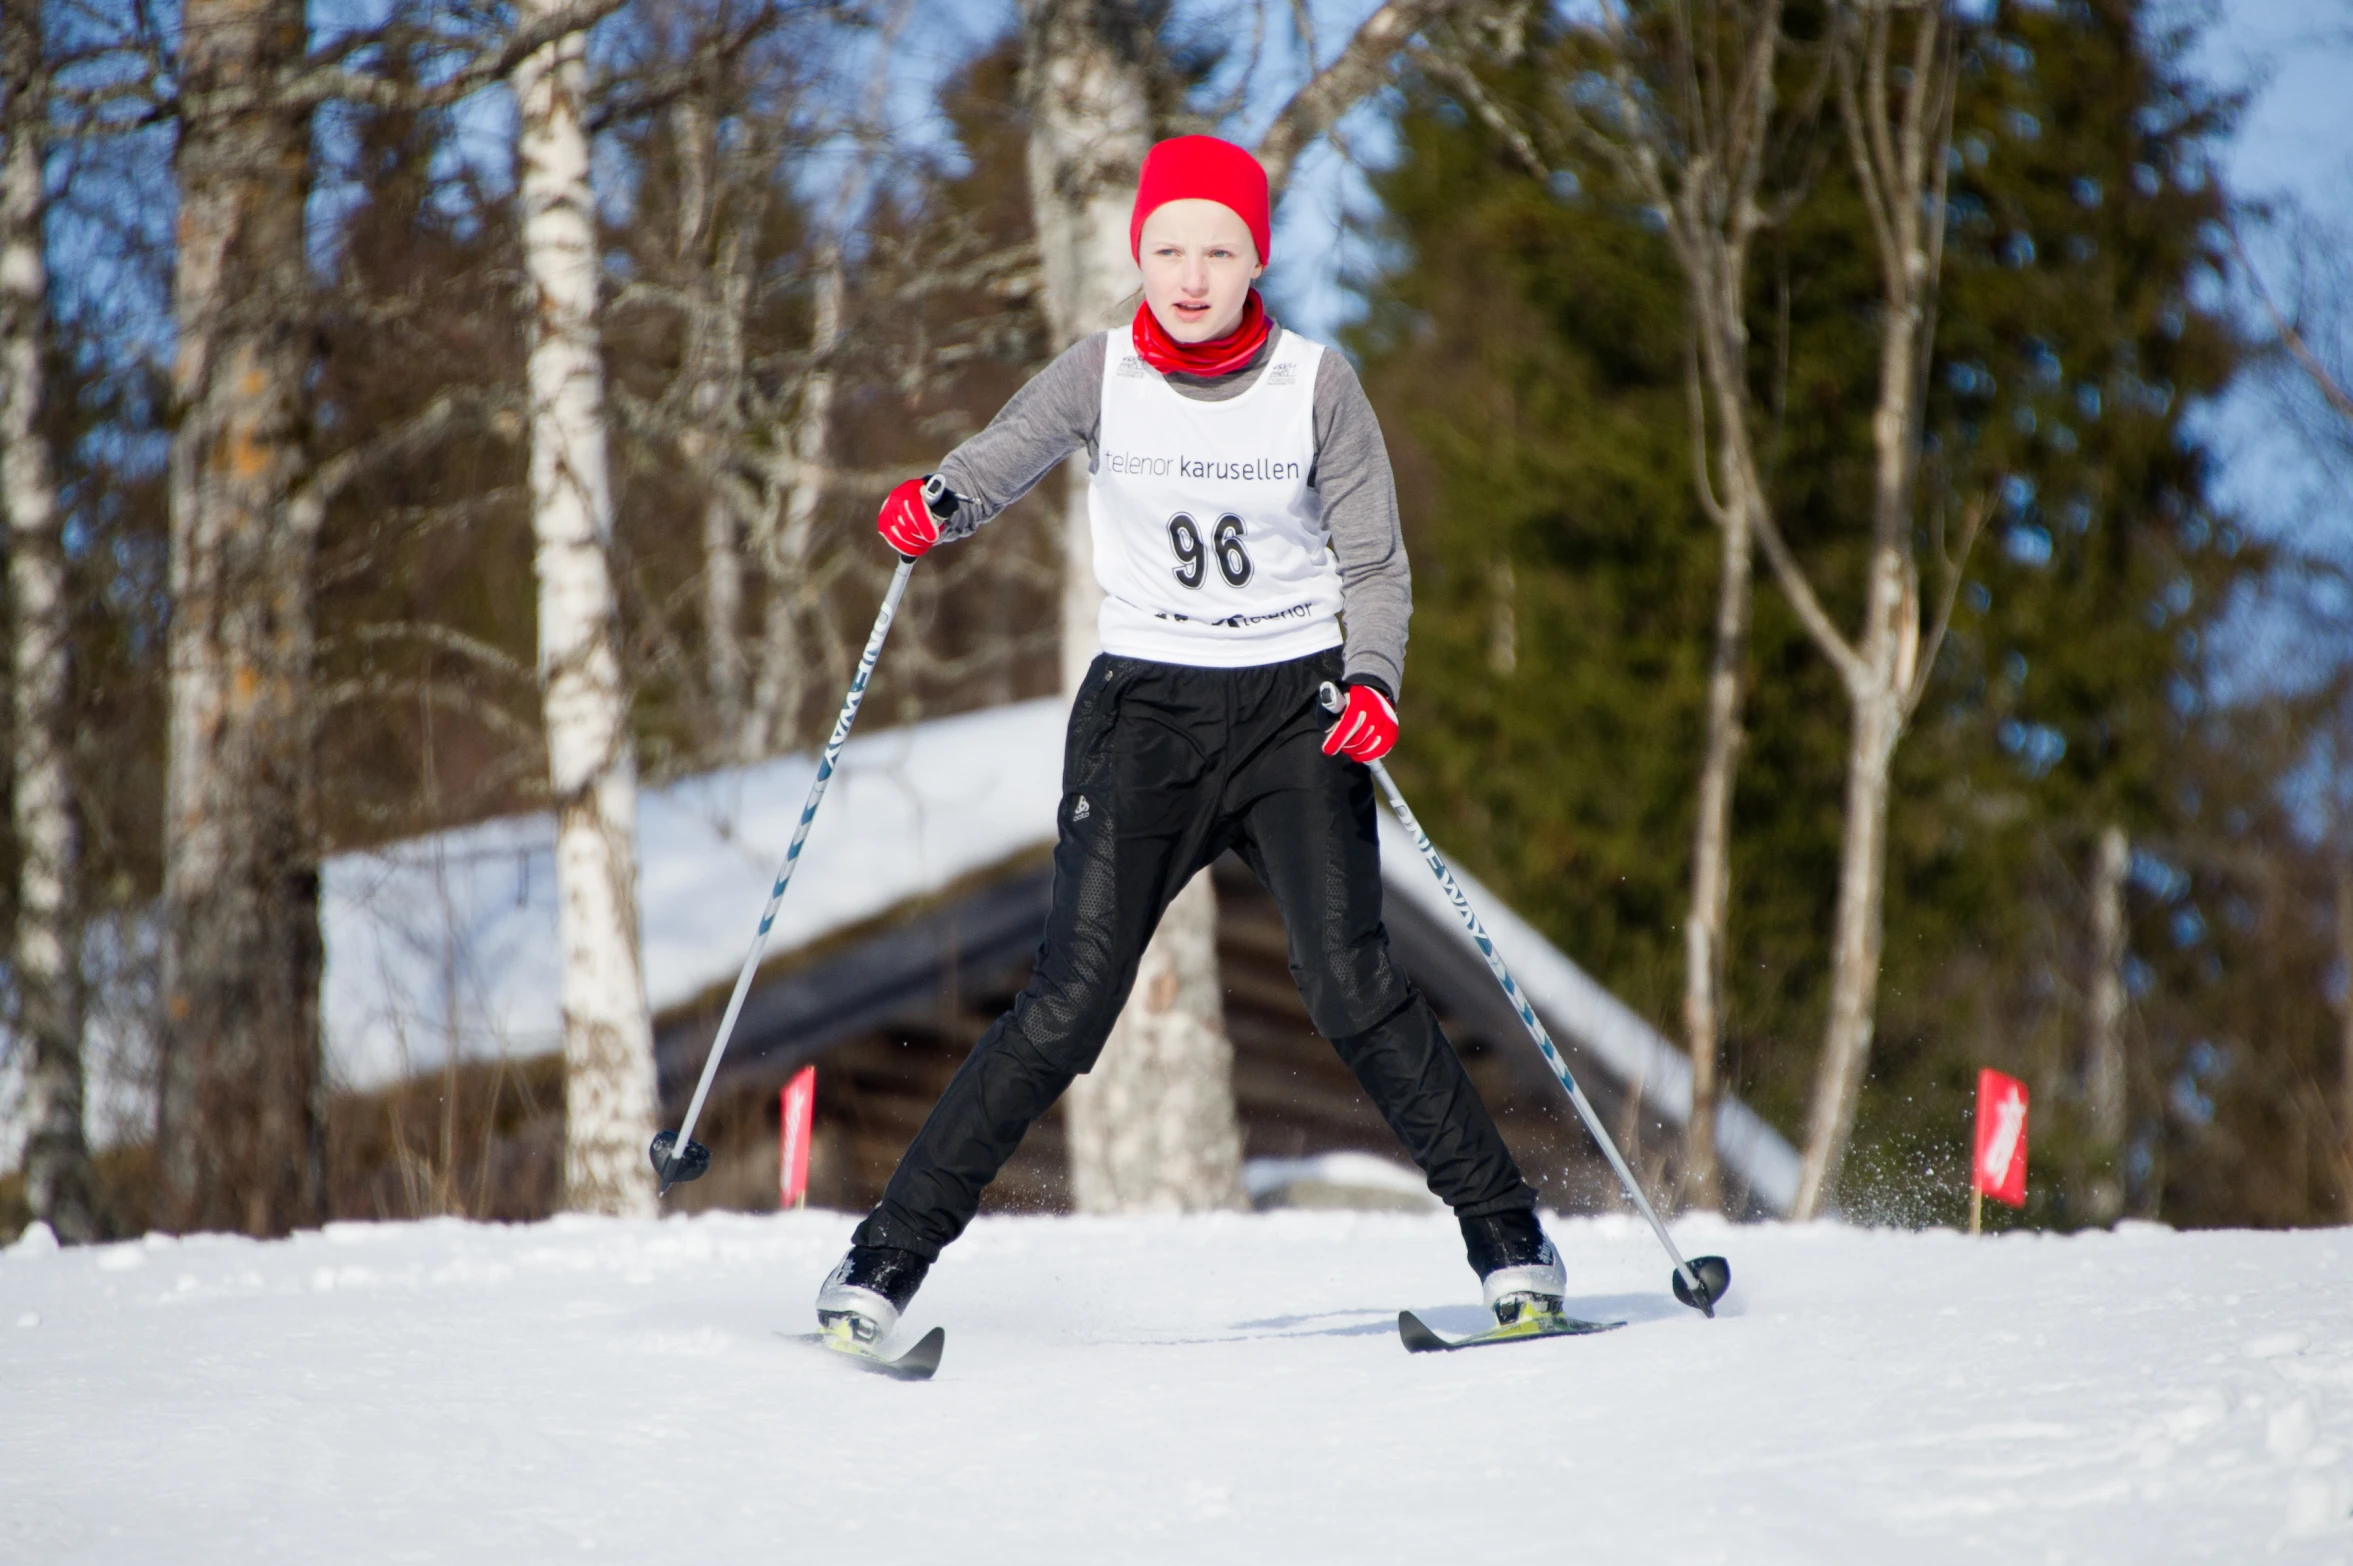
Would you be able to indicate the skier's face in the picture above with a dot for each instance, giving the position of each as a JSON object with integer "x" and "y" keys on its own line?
{"x": 1199, "y": 262}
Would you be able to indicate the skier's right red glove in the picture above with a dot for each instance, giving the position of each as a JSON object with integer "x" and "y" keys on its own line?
{"x": 906, "y": 521}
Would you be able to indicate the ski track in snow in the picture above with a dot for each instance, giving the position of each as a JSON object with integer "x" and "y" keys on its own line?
{"x": 1224, "y": 1388}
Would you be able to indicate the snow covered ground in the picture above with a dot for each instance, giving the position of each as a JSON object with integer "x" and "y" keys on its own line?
{"x": 1204, "y": 1389}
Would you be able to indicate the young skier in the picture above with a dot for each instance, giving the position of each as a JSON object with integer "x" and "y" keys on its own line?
{"x": 1246, "y": 538}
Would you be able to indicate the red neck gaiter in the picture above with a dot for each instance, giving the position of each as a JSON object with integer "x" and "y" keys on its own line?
{"x": 1220, "y": 357}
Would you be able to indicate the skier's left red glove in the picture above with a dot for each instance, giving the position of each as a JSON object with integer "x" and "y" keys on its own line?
{"x": 1367, "y": 726}
{"x": 912, "y": 513}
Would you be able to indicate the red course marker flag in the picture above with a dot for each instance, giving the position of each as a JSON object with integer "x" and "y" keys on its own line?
{"x": 2001, "y": 1138}
{"x": 799, "y": 1110}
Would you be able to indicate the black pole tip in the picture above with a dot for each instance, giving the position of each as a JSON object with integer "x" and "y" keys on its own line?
{"x": 1715, "y": 1279}
{"x": 676, "y": 1168}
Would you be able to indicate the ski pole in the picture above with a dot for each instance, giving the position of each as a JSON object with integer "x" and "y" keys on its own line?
{"x": 1689, "y": 1285}
{"x": 670, "y": 1164}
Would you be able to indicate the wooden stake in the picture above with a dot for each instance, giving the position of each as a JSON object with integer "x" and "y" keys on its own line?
{"x": 1976, "y": 1202}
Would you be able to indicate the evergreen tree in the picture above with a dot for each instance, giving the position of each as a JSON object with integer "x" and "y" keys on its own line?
{"x": 1526, "y": 351}
{"x": 2071, "y": 354}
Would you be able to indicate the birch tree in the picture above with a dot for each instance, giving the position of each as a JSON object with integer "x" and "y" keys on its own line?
{"x": 729, "y": 131}
{"x": 1691, "y": 125}
{"x": 755, "y": 420}
{"x": 609, "y": 1102}
{"x": 1897, "y": 117}
{"x": 2311, "y": 384}
{"x": 787, "y": 545}
{"x": 2342, "y": 877}
{"x": 1714, "y": 215}
{"x": 48, "y": 945}
{"x": 716, "y": 307}
{"x": 2105, "y": 1077}
{"x": 1152, "y": 1126}
{"x": 241, "y": 1081}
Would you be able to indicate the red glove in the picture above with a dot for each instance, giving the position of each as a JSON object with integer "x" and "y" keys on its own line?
{"x": 1367, "y": 726}
{"x": 906, "y": 522}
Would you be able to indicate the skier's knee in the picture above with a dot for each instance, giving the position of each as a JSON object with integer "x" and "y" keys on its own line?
{"x": 1352, "y": 992}
{"x": 1066, "y": 1025}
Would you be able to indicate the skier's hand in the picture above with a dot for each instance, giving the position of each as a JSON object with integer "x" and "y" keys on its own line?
{"x": 1367, "y": 726}
{"x": 910, "y": 517}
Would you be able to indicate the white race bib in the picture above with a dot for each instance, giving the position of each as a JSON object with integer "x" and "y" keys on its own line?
{"x": 1209, "y": 544}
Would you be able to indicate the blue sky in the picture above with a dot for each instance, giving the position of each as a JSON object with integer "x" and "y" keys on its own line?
{"x": 2296, "y": 58}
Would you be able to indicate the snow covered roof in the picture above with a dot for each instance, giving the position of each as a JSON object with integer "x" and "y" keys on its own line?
{"x": 1568, "y": 999}
{"x": 447, "y": 943}
{"x": 450, "y": 940}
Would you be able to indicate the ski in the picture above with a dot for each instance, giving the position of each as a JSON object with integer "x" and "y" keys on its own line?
{"x": 917, "y": 1364}
{"x": 1419, "y": 1339}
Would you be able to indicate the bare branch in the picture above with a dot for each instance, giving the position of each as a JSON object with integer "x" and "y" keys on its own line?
{"x": 1861, "y": 145}
{"x": 1360, "y": 67}
{"x": 1445, "y": 64}
{"x": 324, "y": 78}
{"x": 1702, "y": 482}
{"x": 443, "y": 413}
{"x": 447, "y": 639}
{"x": 435, "y": 693}
{"x": 2290, "y": 337}
{"x": 1792, "y": 576}
{"x": 1956, "y": 571}
{"x": 652, "y": 90}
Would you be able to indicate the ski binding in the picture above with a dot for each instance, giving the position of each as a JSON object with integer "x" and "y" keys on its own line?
{"x": 1419, "y": 1339}
{"x": 917, "y": 1364}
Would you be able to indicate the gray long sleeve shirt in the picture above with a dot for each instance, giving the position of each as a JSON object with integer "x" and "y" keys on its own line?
{"x": 1060, "y": 411}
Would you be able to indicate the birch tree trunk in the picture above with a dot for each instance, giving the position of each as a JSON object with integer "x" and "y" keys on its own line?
{"x": 723, "y": 652}
{"x": 1711, "y": 855}
{"x": 1898, "y": 121}
{"x": 48, "y": 945}
{"x": 2345, "y": 1032}
{"x": 592, "y": 773}
{"x": 719, "y": 292}
{"x": 1153, "y": 1126}
{"x": 2105, "y": 1078}
{"x": 1703, "y": 181}
{"x": 1087, "y": 70}
{"x": 1880, "y": 679}
{"x": 786, "y": 550}
{"x": 241, "y": 1081}
{"x": 1503, "y": 618}
{"x": 715, "y": 353}
{"x": 1875, "y": 724}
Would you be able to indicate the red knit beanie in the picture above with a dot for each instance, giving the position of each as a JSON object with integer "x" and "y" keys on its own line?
{"x": 1202, "y": 167}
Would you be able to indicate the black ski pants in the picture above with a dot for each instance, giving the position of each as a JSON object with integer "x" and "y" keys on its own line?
{"x": 1165, "y": 767}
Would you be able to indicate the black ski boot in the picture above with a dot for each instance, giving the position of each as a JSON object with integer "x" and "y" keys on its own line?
{"x": 1519, "y": 1271}
{"x": 862, "y": 1297}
